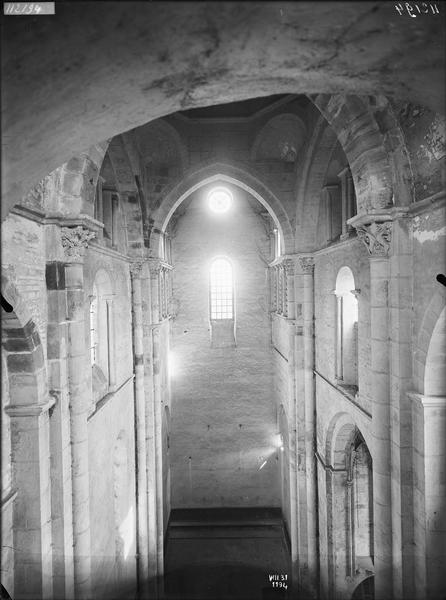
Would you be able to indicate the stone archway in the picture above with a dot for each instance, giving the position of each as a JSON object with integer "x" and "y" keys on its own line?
{"x": 222, "y": 172}
{"x": 143, "y": 61}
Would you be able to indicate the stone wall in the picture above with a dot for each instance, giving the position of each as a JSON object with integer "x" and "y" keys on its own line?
{"x": 112, "y": 495}
{"x": 23, "y": 261}
{"x": 327, "y": 265}
{"x": 223, "y": 404}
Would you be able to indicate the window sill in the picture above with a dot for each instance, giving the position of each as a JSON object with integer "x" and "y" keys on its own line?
{"x": 348, "y": 389}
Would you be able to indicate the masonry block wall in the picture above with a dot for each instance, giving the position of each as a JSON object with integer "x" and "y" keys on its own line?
{"x": 23, "y": 260}
{"x": 111, "y": 441}
{"x": 223, "y": 429}
{"x": 283, "y": 353}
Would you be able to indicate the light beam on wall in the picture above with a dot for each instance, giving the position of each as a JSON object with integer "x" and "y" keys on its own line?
{"x": 172, "y": 364}
{"x": 127, "y": 532}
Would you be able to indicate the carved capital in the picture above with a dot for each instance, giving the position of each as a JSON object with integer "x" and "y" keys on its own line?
{"x": 75, "y": 240}
{"x": 155, "y": 267}
{"x": 356, "y": 292}
{"x": 377, "y": 237}
{"x": 306, "y": 264}
{"x": 288, "y": 265}
{"x": 136, "y": 268}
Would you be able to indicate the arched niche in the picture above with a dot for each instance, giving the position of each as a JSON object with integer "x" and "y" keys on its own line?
{"x": 280, "y": 139}
{"x": 435, "y": 372}
{"x": 101, "y": 333}
{"x": 346, "y": 328}
{"x": 349, "y": 506}
{"x": 427, "y": 344}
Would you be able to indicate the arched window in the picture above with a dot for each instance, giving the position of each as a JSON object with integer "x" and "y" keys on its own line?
{"x": 101, "y": 334}
{"x": 346, "y": 328}
{"x": 221, "y": 290}
{"x": 221, "y": 304}
{"x": 94, "y": 326}
{"x": 277, "y": 244}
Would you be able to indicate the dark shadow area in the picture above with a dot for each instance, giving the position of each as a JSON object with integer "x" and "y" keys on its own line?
{"x": 227, "y": 553}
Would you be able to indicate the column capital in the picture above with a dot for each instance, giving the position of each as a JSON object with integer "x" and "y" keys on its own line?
{"x": 136, "y": 268}
{"x": 288, "y": 265}
{"x": 377, "y": 237}
{"x": 75, "y": 240}
{"x": 155, "y": 266}
{"x": 306, "y": 264}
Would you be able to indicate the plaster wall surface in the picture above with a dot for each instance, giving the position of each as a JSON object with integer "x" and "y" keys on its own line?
{"x": 112, "y": 508}
{"x": 223, "y": 405}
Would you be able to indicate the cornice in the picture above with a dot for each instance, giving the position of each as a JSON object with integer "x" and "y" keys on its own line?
{"x": 435, "y": 201}
{"x": 29, "y": 410}
{"x": 57, "y": 219}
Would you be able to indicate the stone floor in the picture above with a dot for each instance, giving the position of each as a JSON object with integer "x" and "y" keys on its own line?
{"x": 222, "y": 554}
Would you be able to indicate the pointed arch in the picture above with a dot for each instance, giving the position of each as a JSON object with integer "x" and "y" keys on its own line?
{"x": 221, "y": 172}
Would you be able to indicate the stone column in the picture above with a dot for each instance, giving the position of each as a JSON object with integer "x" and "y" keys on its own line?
{"x": 61, "y": 490}
{"x": 307, "y": 267}
{"x": 146, "y": 305}
{"x": 140, "y": 429}
{"x": 299, "y": 424}
{"x": 377, "y": 238}
{"x": 343, "y": 176}
{"x": 288, "y": 266}
{"x": 429, "y": 463}
{"x": 155, "y": 271}
{"x": 400, "y": 329}
{"x": 74, "y": 241}
{"x": 292, "y": 422}
{"x": 435, "y": 502}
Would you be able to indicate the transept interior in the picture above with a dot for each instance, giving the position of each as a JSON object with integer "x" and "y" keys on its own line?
{"x": 227, "y": 319}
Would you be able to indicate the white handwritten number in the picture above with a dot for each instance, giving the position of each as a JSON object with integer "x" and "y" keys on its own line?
{"x": 412, "y": 9}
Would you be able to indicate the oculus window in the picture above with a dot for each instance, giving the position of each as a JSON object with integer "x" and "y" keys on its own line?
{"x": 220, "y": 200}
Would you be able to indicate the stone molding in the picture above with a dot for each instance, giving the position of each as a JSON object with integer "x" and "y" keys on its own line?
{"x": 29, "y": 410}
{"x": 75, "y": 240}
{"x": 156, "y": 265}
{"x": 9, "y": 497}
{"x": 428, "y": 401}
{"x": 377, "y": 238}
